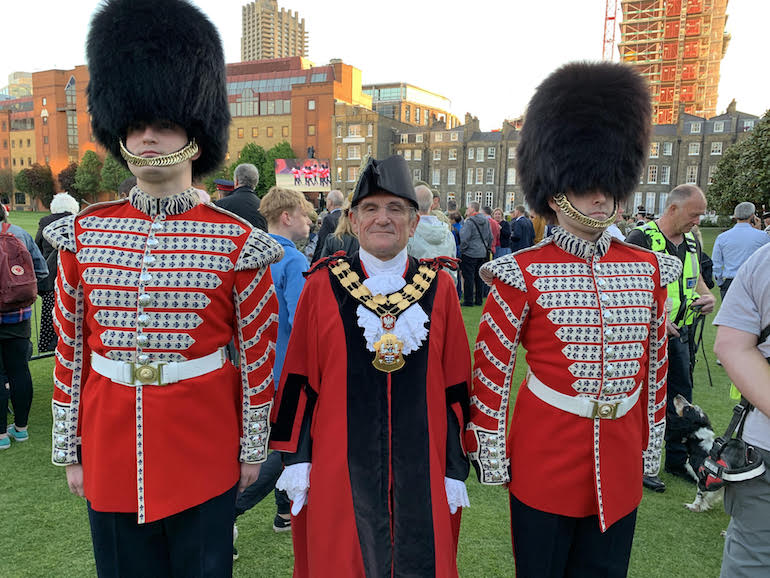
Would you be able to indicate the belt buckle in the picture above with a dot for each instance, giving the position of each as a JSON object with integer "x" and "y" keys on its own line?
{"x": 605, "y": 410}
{"x": 147, "y": 374}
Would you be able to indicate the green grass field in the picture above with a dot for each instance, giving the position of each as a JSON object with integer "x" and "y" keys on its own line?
{"x": 46, "y": 528}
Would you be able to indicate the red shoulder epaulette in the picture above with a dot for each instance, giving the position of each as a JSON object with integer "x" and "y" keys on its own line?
{"x": 441, "y": 262}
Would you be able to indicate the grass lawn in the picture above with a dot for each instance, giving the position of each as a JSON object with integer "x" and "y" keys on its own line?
{"x": 47, "y": 528}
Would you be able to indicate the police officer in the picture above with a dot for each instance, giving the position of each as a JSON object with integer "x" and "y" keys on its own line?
{"x": 687, "y": 297}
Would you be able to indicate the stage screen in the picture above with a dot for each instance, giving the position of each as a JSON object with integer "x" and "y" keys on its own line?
{"x": 305, "y": 175}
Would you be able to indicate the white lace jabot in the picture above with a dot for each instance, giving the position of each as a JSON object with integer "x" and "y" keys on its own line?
{"x": 385, "y": 277}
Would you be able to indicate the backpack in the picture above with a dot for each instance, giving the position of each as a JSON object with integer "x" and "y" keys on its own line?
{"x": 18, "y": 284}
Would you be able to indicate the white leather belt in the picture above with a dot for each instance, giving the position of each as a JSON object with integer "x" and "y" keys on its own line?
{"x": 582, "y": 406}
{"x": 134, "y": 374}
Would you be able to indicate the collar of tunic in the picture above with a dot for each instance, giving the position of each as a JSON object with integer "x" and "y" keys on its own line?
{"x": 582, "y": 248}
{"x": 175, "y": 204}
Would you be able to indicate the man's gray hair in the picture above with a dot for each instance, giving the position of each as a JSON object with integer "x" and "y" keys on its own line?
{"x": 335, "y": 199}
{"x": 521, "y": 208}
{"x": 680, "y": 194}
{"x": 475, "y": 205}
{"x": 246, "y": 175}
{"x": 424, "y": 199}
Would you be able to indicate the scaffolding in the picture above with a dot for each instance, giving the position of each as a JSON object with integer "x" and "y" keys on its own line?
{"x": 678, "y": 46}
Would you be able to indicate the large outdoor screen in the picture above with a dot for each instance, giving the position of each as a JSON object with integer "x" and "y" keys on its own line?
{"x": 305, "y": 175}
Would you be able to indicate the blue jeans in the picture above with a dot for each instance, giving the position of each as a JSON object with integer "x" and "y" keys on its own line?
{"x": 265, "y": 483}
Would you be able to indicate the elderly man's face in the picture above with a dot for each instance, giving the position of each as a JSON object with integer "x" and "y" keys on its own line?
{"x": 383, "y": 223}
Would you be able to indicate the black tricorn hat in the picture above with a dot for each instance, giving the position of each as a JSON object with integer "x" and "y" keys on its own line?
{"x": 155, "y": 60}
{"x": 390, "y": 175}
{"x": 586, "y": 128}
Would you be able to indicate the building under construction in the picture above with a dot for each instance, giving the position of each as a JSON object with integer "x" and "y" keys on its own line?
{"x": 678, "y": 46}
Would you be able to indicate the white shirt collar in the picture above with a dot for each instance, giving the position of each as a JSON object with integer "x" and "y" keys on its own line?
{"x": 374, "y": 267}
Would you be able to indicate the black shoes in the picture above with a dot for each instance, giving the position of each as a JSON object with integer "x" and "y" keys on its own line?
{"x": 653, "y": 483}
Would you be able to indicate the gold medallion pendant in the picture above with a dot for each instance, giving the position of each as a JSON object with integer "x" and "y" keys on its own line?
{"x": 388, "y": 356}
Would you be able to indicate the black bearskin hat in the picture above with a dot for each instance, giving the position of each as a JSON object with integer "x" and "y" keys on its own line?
{"x": 390, "y": 175}
{"x": 155, "y": 60}
{"x": 586, "y": 128}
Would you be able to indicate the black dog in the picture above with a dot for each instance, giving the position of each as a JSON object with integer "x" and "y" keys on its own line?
{"x": 698, "y": 436}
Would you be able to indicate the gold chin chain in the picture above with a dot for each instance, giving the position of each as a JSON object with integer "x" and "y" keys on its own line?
{"x": 185, "y": 153}
{"x": 387, "y": 307}
{"x": 570, "y": 211}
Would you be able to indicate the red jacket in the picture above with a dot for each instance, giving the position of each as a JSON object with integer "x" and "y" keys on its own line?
{"x": 142, "y": 280}
{"x": 591, "y": 317}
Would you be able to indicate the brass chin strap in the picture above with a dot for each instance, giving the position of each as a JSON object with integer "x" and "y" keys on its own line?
{"x": 185, "y": 153}
{"x": 566, "y": 207}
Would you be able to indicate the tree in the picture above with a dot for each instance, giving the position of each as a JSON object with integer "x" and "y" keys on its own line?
{"x": 37, "y": 180}
{"x": 6, "y": 182}
{"x": 267, "y": 178}
{"x": 67, "y": 178}
{"x": 743, "y": 173}
{"x": 113, "y": 173}
{"x": 88, "y": 176}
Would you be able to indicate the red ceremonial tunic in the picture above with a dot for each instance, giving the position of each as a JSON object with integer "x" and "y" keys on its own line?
{"x": 380, "y": 444}
{"x": 145, "y": 281}
{"x": 591, "y": 317}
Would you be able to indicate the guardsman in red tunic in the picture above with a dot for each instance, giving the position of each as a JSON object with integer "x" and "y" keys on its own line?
{"x": 154, "y": 423}
{"x": 590, "y": 311}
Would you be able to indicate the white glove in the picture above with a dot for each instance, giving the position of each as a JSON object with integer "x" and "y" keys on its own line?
{"x": 456, "y": 494}
{"x": 295, "y": 481}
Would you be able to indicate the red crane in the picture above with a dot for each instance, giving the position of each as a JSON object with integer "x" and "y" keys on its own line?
{"x": 610, "y": 18}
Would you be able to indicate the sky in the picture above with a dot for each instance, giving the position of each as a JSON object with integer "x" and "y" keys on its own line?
{"x": 486, "y": 56}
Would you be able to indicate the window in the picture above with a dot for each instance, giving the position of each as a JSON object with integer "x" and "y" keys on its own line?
{"x": 339, "y": 174}
{"x": 404, "y": 138}
{"x": 652, "y": 174}
{"x": 269, "y": 131}
{"x": 354, "y": 130}
{"x": 20, "y": 198}
{"x": 254, "y": 132}
{"x": 21, "y": 161}
{"x": 407, "y": 113}
{"x": 435, "y": 177}
{"x": 417, "y": 115}
{"x": 29, "y": 143}
{"x": 437, "y": 155}
{"x": 490, "y": 152}
{"x": 352, "y": 174}
{"x": 369, "y": 150}
{"x": 654, "y": 149}
{"x": 417, "y": 173}
{"x": 693, "y": 149}
{"x": 692, "y": 175}
{"x": 668, "y": 149}
{"x": 469, "y": 179}
{"x": 719, "y": 126}
{"x": 665, "y": 174}
{"x": 479, "y": 154}
{"x": 490, "y": 176}
{"x": 637, "y": 200}
{"x": 311, "y": 104}
{"x": 417, "y": 154}
{"x": 408, "y": 154}
{"x": 5, "y": 144}
{"x": 468, "y": 198}
{"x": 339, "y": 152}
{"x": 662, "y": 198}
{"x": 650, "y": 204}
{"x": 510, "y": 176}
{"x": 354, "y": 152}
{"x": 489, "y": 199}
{"x": 400, "y": 153}
{"x": 451, "y": 176}
{"x": 369, "y": 129}
{"x": 13, "y": 143}
{"x": 478, "y": 196}
{"x": 479, "y": 176}
{"x": 240, "y": 133}
{"x": 695, "y": 128}
{"x": 310, "y": 130}
{"x": 45, "y": 120}
{"x": 470, "y": 153}
{"x": 438, "y": 137}
{"x": 45, "y": 140}
{"x": 748, "y": 125}
{"x": 285, "y": 131}
{"x": 452, "y": 154}
{"x": 453, "y": 136}
{"x": 44, "y": 101}
{"x": 339, "y": 131}
{"x": 511, "y": 153}
{"x": 418, "y": 137}
{"x": 712, "y": 170}
{"x": 716, "y": 148}
{"x": 510, "y": 203}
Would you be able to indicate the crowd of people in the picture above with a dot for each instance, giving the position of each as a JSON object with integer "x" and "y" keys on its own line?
{"x": 196, "y": 343}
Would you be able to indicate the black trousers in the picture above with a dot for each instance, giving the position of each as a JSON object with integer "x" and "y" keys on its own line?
{"x": 268, "y": 475}
{"x": 552, "y": 546}
{"x": 14, "y": 352}
{"x": 724, "y": 287}
{"x": 195, "y": 543}
{"x": 472, "y": 284}
{"x": 679, "y": 382}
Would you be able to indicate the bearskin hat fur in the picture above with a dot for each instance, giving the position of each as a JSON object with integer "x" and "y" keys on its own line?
{"x": 586, "y": 128}
{"x": 155, "y": 60}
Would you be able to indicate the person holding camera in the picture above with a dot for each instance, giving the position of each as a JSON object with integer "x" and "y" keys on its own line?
{"x": 688, "y": 297}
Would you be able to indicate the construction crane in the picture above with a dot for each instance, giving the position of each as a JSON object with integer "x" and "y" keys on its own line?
{"x": 610, "y": 21}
